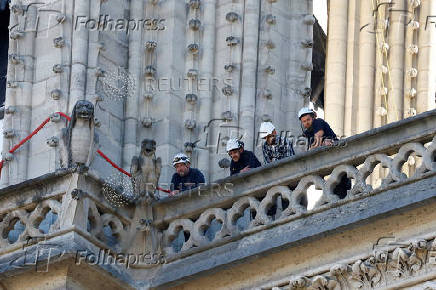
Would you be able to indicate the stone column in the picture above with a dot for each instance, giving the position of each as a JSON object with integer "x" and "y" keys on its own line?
{"x": 352, "y": 67}
{"x": 366, "y": 68}
{"x": 135, "y": 70}
{"x": 426, "y": 58}
{"x": 207, "y": 72}
{"x": 79, "y": 53}
{"x": 23, "y": 118}
{"x": 336, "y": 64}
{"x": 396, "y": 60}
{"x": 249, "y": 71}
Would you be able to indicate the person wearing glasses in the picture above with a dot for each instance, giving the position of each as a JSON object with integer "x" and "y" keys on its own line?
{"x": 185, "y": 177}
{"x": 242, "y": 160}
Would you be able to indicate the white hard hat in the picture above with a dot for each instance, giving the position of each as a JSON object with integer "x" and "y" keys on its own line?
{"x": 233, "y": 144}
{"x": 305, "y": 111}
{"x": 180, "y": 158}
{"x": 266, "y": 128}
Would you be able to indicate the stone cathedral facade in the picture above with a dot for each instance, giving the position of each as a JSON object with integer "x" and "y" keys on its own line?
{"x": 191, "y": 74}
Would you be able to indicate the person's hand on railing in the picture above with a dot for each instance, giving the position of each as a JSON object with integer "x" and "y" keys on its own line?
{"x": 245, "y": 169}
{"x": 173, "y": 193}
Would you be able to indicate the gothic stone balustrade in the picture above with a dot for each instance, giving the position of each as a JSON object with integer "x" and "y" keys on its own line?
{"x": 242, "y": 217}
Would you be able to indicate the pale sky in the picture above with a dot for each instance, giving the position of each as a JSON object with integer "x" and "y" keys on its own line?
{"x": 320, "y": 11}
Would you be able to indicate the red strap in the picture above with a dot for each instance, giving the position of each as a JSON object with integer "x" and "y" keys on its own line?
{"x": 69, "y": 119}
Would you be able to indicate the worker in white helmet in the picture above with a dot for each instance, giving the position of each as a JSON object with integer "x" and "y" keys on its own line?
{"x": 242, "y": 160}
{"x": 185, "y": 177}
{"x": 317, "y": 131}
{"x": 275, "y": 147}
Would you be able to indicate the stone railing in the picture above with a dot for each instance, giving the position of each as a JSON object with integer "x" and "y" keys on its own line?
{"x": 210, "y": 220}
{"x": 275, "y": 194}
{"x": 53, "y": 205}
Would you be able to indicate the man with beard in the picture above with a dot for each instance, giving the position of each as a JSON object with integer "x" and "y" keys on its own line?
{"x": 185, "y": 177}
{"x": 242, "y": 160}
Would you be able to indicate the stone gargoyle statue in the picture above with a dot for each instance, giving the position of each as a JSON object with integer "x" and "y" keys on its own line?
{"x": 79, "y": 141}
{"x": 145, "y": 171}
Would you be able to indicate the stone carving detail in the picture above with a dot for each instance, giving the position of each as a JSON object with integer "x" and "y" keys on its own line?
{"x": 229, "y": 67}
{"x": 145, "y": 170}
{"x": 378, "y": 270}
{"x": 232, "y": 40}
{"x": 271, "y": 19}
{"x": 193, "y": 48}
{"x": 9, "y": 133}
{"x": 191, "y": 98}
{"x": 151, "y": 45}
{"x": 227, "y": 90}
{"x": 194, "y": 4}
{"x": 232, "y": 16}
{"x": 16, "y": 34}
{"x": 15, "y": 59}
{"x": 57, "y": 68}
{"x": 98, "y": 220}
{"x": 59, "y": 42}
{"x": 192, "y": 73}
{"x": 150, "y": 71}
{"x": 30, "y": 221}
{"x": 280, "y": 202}
{"x": 194, "y": 24}
{"x": 56, "y": 94}
{"x": 79, "y": 139}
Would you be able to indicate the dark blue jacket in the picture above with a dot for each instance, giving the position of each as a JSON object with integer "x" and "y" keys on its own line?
{"x": 191, "y": 180}
{"x": 247, "y": 159}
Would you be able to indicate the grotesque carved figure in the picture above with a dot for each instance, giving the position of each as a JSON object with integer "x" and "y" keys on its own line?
{"x": 145, "y": 170}
{"x": 79, "y": 138}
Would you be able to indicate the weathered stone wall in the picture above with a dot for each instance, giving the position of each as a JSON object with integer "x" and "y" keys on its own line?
{"x": 249, "y": 61}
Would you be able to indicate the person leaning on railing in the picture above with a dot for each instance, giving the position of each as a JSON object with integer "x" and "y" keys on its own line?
{"x": 242, "y": 160}
{"x": 185, "y": 177}
{"x": 275, "y": 147}
{"x": 319, "y": 133}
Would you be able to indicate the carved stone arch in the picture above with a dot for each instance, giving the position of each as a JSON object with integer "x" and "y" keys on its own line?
{"x": 430, "y": 156}
{"x": 115, "y": 224}
{"x": 204, "y": 220}
{"x": 285, "y": 193}
{"x": 402, "y": 156}
{"x": 185, "y": 225}
{"x": 301, "y": 189}
{"x": 38, "y": 215}
{"x": 94, "y": 218}
{"x": 237, "y": 210}
{"x": 336, "y": 175}
{"x": 368, "y": 167}
{"x": 6, "y": 226}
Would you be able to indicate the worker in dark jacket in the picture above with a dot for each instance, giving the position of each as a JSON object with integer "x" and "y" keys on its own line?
{"x": 186, "y": 177}
{"x": 319, "y": 133}
{"x": 242, "y": 160}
